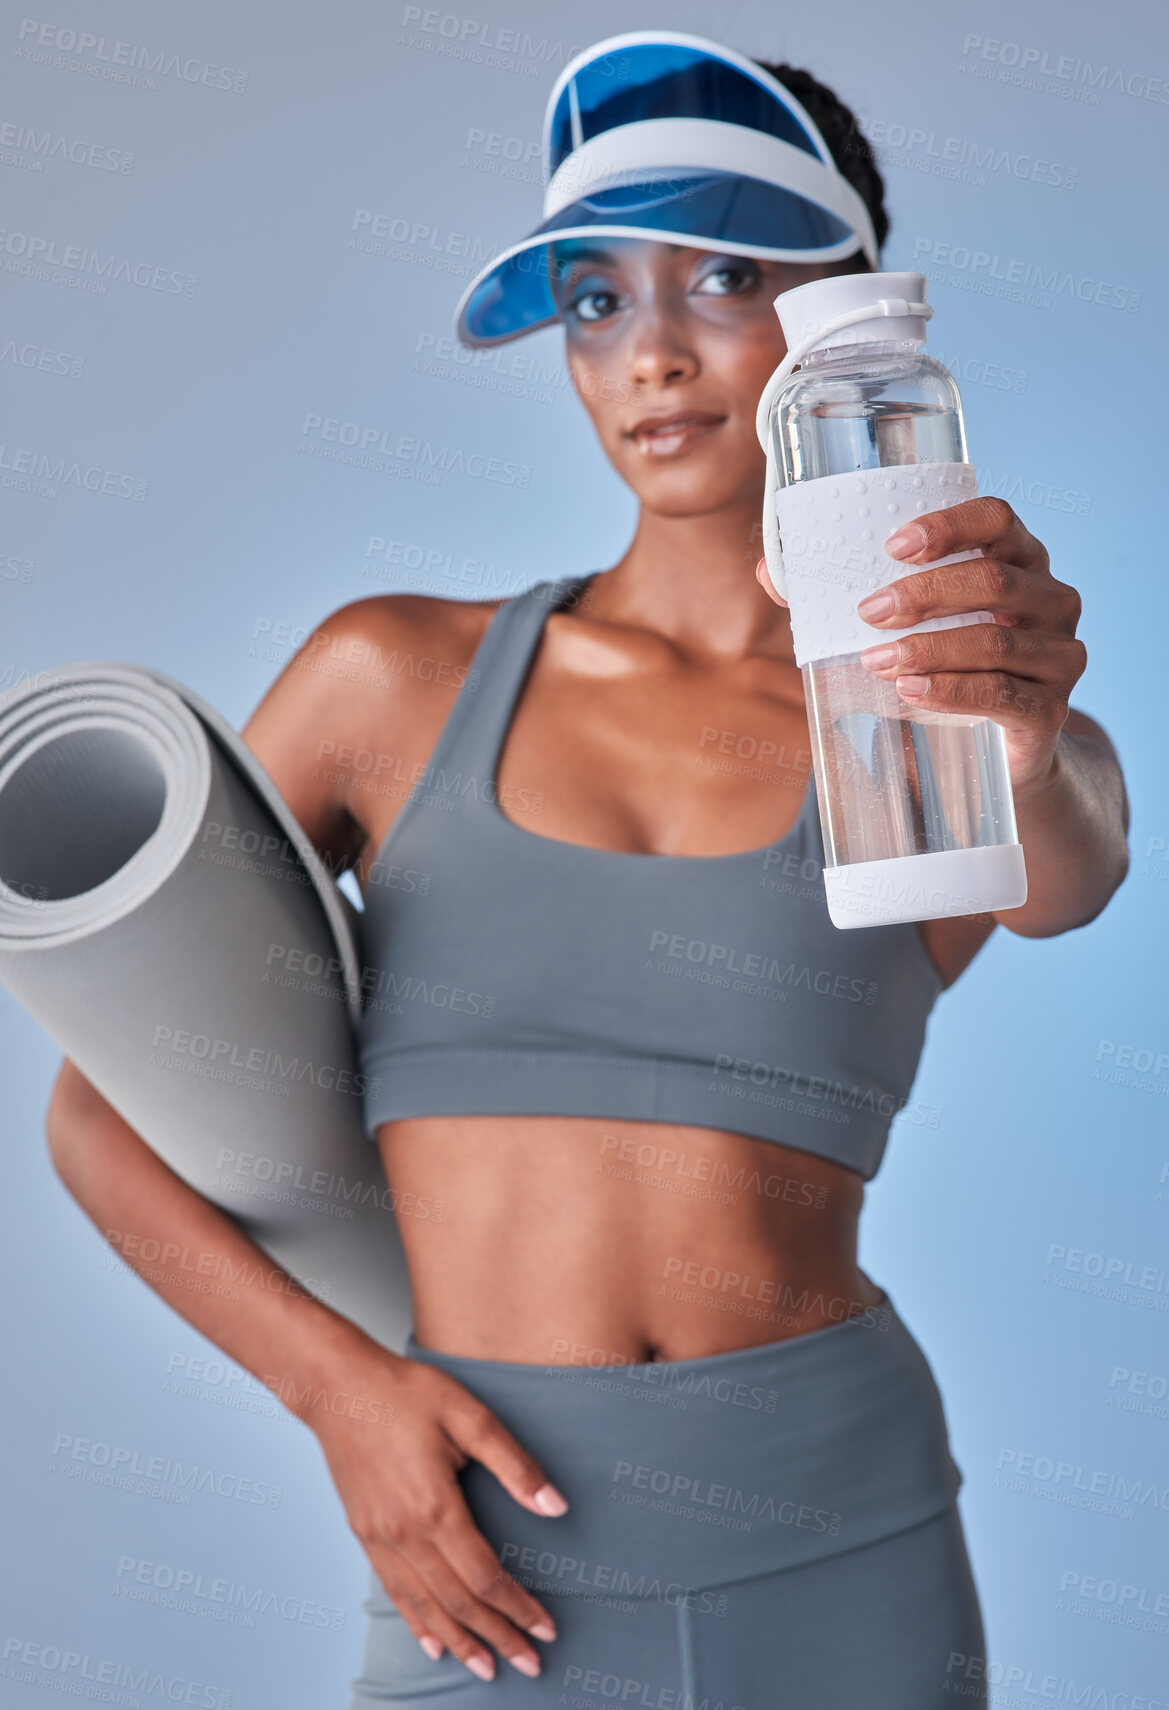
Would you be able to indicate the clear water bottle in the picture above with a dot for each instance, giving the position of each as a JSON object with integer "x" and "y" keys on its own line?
{"x": 916, "y": 809}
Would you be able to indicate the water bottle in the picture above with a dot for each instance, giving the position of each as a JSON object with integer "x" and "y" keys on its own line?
{"x": 916, "y": 809}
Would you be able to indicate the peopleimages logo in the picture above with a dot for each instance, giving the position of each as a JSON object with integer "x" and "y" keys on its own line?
{"x": 979, "y": 372}
{"x": 920, "y": 150}
{"x": 489, "y": 43}
{"x": 220, "y": 1054}
{"x": 695, "y": 1494}
{"x": 99, "y": 56}
{"x": 33, "y": 148}
{"x": 757, "y": 964}
{"x": 195, "y": 1592}
{"x": 990, "y": 270}
{"x": 355, "y": 442}
{"x": 1039, "y": 62}
{"x": 1018, "y": 489}
{"x": 29, "y": 252}
{"x": 86, "y": 1674}
{"x": 43, "y": 472}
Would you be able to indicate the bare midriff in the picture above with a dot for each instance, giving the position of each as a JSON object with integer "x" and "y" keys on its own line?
{"x": 581, "y": 1241}
{"x": 574, "y": 1240}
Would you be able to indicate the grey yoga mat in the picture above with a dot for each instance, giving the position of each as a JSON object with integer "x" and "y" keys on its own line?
{"x": 170, "y": 925}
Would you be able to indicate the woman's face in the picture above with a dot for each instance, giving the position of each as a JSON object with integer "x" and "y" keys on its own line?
{"x": 669, "y": 349}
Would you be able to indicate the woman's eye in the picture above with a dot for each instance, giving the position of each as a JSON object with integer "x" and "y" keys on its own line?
{"x": 594, "y": 305}
{"x": 726, "y": 281}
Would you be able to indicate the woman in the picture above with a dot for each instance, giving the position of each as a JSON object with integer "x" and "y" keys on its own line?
{"x": 652, "y": 1415}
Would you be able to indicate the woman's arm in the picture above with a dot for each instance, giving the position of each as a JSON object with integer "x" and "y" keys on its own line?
{"x": 394, "y": 1432}
{"x": 264, "y": 1320}
{"x": 1073, "y": 826}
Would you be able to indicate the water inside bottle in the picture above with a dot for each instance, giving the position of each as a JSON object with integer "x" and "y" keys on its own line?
{"x": 892, "y": 779}
{"x": 859, "y": 432}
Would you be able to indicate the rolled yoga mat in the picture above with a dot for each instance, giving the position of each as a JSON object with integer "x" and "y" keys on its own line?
{"x": 170, "y": 925}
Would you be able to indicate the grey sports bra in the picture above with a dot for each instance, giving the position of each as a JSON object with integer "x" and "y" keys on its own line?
{"x": 508, "y": 973}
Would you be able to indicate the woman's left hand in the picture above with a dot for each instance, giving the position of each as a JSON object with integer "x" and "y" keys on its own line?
{"x": 1018, "y": 670}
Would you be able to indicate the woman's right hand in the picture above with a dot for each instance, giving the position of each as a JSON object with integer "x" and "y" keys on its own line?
{"x": 398, "y": 1484}
{"x": 404, "y": 1502}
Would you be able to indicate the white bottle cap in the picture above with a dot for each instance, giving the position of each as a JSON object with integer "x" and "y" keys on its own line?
{"x": 807, "y": 307}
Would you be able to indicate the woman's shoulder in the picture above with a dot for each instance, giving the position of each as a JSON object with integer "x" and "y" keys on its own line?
{"x": 398, "y": 655}
{"x": 391, "y": 631}
{"x": 363, "y": 698}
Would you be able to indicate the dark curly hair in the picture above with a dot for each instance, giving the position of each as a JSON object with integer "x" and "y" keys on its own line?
{"x": 846, "y": 142}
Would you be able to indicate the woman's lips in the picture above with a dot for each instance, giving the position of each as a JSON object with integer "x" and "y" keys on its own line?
{"x": 667, "y": 439}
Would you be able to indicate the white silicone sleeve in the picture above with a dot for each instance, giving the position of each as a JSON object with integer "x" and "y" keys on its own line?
{"x": 833, "y": 532}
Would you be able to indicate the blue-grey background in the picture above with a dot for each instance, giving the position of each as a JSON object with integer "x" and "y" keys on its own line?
{"x": 260, "y": 159}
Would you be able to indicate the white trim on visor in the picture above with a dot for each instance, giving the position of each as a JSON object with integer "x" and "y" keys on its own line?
{"x": 712, "y": 145}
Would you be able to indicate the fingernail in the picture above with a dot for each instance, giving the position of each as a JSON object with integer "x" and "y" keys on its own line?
{"x": 913, "y": 686}
{"x": 542, "y": 1629}
{"x": 878, "y": 658}
{"x": 526, "y": 1665}
{"x": 432, "y": 1647}
{"x": 763, "y": 575}
{"x": 549, "y": 1500}
{"x": 878, "y": 605}
{"x": 482, "y": 1666}
{"x": 906, "y": 541}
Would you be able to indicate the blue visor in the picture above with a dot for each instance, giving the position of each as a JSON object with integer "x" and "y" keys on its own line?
{"x": 669, "y": 137}
{"x": 662, "y": 79}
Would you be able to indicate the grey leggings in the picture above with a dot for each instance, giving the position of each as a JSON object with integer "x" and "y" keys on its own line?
{"x": 773, "y": 1528}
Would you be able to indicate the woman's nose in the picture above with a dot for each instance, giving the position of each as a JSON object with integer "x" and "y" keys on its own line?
{"x": 661, "y": 354}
